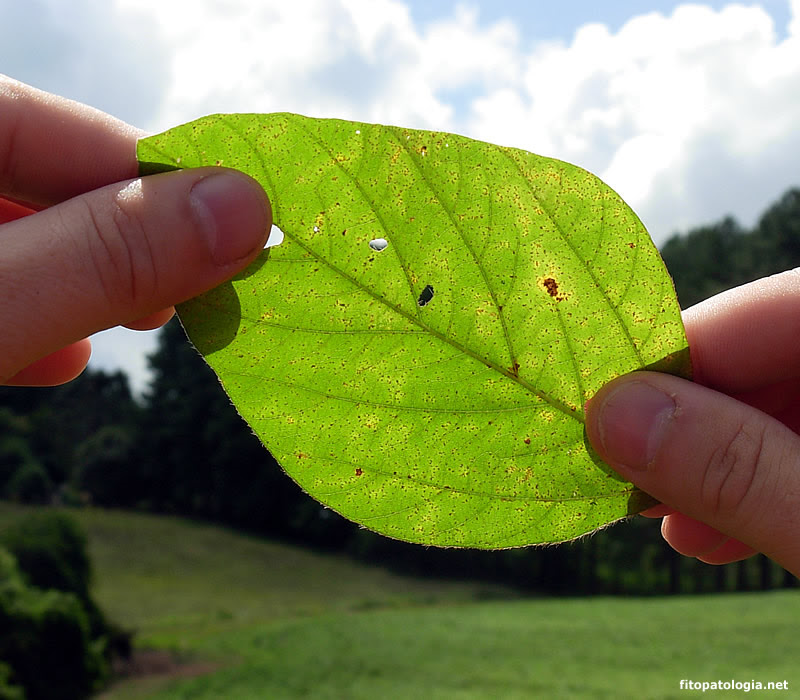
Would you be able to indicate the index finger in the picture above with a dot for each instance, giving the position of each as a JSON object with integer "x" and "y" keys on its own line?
{"x": 747, "y": 338}
{"x": 52, "y": 149}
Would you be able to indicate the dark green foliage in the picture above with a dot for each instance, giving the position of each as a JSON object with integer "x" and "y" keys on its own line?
{"x": 776, "y": 240}
{"x": 30, "y": 484}
{"x": 22, "y": 477}
{"x": 713, "y": 258}
{"x": 46, "y": 646}
{"x": 104, "y": 466}
{"x": 46, "y": 426}
{"x": 50, "y": 549}
{"x": 8, "y": 691}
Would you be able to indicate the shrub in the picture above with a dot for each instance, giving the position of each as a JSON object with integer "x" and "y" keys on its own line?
{"x": 7, "y": 690}
{"x": 46, "y": 646}
{"x": 14, "y": 454}
{"x": 30, "y": 484}
{"x": 51, "y": 551}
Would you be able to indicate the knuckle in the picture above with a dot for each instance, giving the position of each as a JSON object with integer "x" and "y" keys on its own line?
{"x": 730, "y": 479}
{"x": 120, "y": 255}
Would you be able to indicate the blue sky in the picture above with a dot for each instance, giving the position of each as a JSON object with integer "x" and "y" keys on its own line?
{"x": 691, "y": 115}
{"x": 538, "y": 19}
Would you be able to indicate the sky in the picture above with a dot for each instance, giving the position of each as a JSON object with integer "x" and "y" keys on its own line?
{"x": 689, "y": 111}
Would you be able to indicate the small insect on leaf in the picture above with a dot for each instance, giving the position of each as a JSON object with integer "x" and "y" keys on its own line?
{"x": 425, "y": 296}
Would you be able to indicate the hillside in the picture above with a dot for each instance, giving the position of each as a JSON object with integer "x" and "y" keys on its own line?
{"x": 167, "y": 577}
{"x": 257, "y": 619}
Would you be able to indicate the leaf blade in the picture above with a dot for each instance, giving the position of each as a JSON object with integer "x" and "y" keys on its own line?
{"x": 457, "y": 421}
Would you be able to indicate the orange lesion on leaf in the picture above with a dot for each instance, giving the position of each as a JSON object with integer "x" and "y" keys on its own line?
{"x": 302, "y": 455}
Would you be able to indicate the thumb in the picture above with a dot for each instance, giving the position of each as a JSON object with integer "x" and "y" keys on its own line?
{"x": 706, "y": 455}
{"x": 122, "y": 253}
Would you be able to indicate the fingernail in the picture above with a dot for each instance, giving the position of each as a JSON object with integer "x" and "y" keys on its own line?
{"x": 233, "y": 213}
{"x": 632, "y": 422}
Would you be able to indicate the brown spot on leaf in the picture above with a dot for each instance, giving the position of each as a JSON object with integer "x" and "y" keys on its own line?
{"x": 359, "y": 471}
{"x": 302, "y": 455}
{"x": 514, "y": 369}
{"x": 552, "y": 288}
{"x": 527, "y": 441}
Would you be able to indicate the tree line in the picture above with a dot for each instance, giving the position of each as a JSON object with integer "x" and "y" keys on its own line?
{"x": 182, "y": 449}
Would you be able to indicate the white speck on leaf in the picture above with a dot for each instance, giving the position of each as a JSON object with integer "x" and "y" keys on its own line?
{"x": 378, "y": 244}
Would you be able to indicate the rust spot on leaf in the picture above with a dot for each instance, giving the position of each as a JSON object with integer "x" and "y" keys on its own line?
{"x": 514, "y": 369}
{"x": 527, "y": 441}
{"x": 359, "y": 471}
{"x": 302, "y": 455}
{"x": 552, "y": 288}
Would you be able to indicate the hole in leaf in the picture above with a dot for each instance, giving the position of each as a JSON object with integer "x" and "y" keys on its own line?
{"x": 378, "y": 244}
{"x": 425, "y": 296}
{"x": 275, "y": 237}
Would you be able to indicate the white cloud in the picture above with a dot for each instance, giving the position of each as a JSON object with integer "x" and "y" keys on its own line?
{"x": 651, "y": 108}
{"x": 689, "y": 117}
{"x": 359, "y": 59}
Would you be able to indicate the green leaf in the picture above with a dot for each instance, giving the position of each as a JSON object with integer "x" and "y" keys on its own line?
{"x": 431, "y": 389}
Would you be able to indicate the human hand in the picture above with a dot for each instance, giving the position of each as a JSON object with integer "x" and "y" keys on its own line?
{"x": 107, "y": 248}
{"x": 722, "y": 454}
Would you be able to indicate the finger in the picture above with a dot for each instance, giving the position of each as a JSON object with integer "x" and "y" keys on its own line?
{"x": 746, "y": 338}
{"x": 122, "y": 253}
{"x": 691, "y": 537}
{"x": 730, "y": 551}
{"x": 658, "y": 511}
{"x": 152, "y": 321}
{"x": 59, "y": 367}
{"x": 706, "y": 455}
{"x": 52, "y": 149}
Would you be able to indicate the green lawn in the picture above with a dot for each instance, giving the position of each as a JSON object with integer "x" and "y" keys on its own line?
{"x": 570, "y": 648}
{"x": 285, "y": 623}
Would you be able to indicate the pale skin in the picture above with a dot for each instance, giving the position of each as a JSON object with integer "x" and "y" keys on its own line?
{"x": 722, "y": 454}
{"x": 107, "y": 248}
{"x": 110, "y": 249}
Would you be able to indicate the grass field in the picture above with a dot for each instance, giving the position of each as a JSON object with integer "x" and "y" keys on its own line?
{"x": 277, "y": 622}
